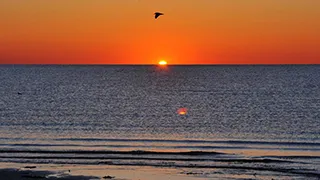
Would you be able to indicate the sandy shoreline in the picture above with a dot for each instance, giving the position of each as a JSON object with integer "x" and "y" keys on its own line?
{"x": 17, "y": 171}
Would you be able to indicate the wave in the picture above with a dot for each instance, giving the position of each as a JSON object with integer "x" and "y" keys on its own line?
{"x": 135, "y": 152}
{"x": 195, "y": 141}
{"x": 151, "y": 158}
{"x": 257, "y": 142}
{"x": 293, "y": 157}
{"x": 312, "y": 148}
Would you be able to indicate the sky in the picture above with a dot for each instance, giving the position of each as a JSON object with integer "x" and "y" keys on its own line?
{"x": 190, "y": 32}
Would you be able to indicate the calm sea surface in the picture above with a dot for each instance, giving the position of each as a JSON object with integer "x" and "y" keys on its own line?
{"x": 128, "y": 115}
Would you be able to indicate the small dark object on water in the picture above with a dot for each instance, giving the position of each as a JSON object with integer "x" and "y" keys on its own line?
{"x": 30, "y": 167}
{"x": 192, "y": 173}
{"x": 19, "y": 93}
{"x": 108, "y": 177}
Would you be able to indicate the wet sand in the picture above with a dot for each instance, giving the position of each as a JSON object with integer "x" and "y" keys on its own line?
{"x": 18, "y": 171}
{"x": 14, "y": 171}
{"x": 18, "y": 174}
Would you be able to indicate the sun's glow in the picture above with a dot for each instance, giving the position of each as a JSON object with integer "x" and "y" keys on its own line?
{"x": 162, "y": 63}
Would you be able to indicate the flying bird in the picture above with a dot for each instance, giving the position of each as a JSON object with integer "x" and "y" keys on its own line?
{"x": 157, "y": 14}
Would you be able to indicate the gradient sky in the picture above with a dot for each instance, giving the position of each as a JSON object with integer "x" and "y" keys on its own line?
{"x": 190, "y": 32}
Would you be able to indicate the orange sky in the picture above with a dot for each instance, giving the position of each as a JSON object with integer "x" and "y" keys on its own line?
{"x": 190, "y": 32}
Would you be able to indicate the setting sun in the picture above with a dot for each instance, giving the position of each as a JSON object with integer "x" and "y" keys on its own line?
{"x": 162, "y": 63}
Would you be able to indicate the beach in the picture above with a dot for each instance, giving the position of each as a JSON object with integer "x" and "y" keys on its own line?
{"x": 92, "y": 172}
{"x": 264, "y": 160}
{"x": 13, "y": 171}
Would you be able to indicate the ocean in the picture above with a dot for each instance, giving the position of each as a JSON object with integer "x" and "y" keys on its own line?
{"x": 245, "y": 121}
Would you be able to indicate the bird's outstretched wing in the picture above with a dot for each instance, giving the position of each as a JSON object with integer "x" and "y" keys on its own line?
{"x": 157, "y": 14}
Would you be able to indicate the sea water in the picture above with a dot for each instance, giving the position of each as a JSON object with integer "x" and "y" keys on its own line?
{"x": 263, "y": 119}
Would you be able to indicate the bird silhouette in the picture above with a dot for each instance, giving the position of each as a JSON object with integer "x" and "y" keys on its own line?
{"x": 157, "y": 14}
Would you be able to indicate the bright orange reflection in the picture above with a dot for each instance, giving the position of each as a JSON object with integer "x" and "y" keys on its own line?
{"x": 182, "y": 111}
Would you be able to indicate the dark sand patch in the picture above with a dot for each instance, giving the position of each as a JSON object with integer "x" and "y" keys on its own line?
{"x": 16, "y": 174}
